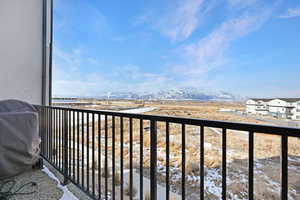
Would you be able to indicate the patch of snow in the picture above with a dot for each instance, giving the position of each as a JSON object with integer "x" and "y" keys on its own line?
{"x": 293, "y": 159}
{"x": 139, "y": 110}
{"x": 207, "y": 145}
{"x": 67, "y": 195}
{"x": 210, "y": 182}
{"x": 226, "y": 110}
{"x": 217, "y": 131}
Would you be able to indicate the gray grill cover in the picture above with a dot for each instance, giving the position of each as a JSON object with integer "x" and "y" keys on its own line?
{"x": 19, "y": 138}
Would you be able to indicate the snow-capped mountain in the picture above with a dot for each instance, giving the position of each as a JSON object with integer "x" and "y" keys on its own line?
{"x": 174, "y": 94}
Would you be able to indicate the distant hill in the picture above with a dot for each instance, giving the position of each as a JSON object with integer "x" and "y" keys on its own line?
{"x": 175, "y": 94}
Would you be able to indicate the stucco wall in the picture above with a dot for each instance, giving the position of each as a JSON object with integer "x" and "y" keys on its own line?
{"x": 21, "y": 45}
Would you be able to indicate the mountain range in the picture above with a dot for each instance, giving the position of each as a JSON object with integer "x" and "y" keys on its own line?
{"x": 175, "y": 94}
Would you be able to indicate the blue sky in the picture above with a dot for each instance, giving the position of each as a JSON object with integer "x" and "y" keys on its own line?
{"x": 246, "y": 47}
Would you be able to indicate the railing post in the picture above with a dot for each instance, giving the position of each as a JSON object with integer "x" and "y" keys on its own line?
{"x": 153, "y": 152}
{"x": 284, "y": 167}
{"x": 65, "y": 148}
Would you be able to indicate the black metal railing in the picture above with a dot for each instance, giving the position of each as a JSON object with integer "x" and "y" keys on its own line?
{"x": 72, "y": 142}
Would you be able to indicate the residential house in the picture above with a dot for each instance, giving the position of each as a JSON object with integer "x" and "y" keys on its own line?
{"x": 286, "y": 108}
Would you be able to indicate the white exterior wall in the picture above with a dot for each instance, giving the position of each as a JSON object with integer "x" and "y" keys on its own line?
{"x": 280, "y": 108}
{"x": 251, "y": 106}
{"x": 256, "y": 107}
{"x": 262, "y": 112}
{"x": 296, "y": 111}
{"x": 21, "y": 39}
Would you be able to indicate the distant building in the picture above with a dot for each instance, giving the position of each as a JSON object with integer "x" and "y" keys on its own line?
{"x": 286, "y": 108}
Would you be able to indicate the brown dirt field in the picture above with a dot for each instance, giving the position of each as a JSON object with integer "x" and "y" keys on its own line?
{"x": 265, "y": 146}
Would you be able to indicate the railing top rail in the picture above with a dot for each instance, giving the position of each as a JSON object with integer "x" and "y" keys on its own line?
{"x": 256, "y": 128}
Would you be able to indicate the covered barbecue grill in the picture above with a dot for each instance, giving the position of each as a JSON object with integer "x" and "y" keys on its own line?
{"x": 19, "y": 138}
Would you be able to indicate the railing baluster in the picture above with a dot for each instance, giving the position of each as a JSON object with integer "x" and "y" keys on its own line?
{"x": 56, "y": 137}
{"x": 99, "y": 156}
{"x": 47, "y": 133}
{"x": 88, "y": 151}
{"x": 113, "y": 157}
{"x": 42, "y": 130}
{"x": 224, "y": 151}
{"x": 121, "y": 159}
{"x": 82, "y": 149}
{"x": 183, "y": 161}
{"x": 141, "y": 158}
{"x": 251, "y": 163}
{"x": 284, "y": 167}
{"x": 106, "y": 159}
{"x": 78, "y": 150}
{"x": 69, "y": 144}
{"x": 202, "y": 163}
{"x": 153, "y": 155}
{"x": 130, "y": 160}
{"x": 65, "y": 148}
{"x": 61, "y": 140}
{"x": 167, "y": 161}
{"x": 50, "y": 134}
{"x": 93, "y": 153}
{"x": 74, "y": 141}
{"x": 52, "y": 137}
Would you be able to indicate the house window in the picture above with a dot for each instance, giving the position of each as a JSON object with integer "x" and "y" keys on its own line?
{"x": 298, "y": 117}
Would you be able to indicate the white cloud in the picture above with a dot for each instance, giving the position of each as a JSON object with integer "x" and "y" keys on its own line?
{"x": 70, "y": 59}
{"x": 75, "y": 81}
{"x": 66, "y": 83}
{"x": 209, "y": 52}
{"x": 92, "y": 61}
{"x": 291, "y": 13}
{"x": 241, "y": 3}
{"x": 180, "y": 23}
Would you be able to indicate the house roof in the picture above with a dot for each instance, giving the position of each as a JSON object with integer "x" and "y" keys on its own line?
{"x": 261, "y": 99}
{"x": 291, "y": 100}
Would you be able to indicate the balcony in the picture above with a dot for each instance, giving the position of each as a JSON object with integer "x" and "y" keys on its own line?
{"x": 116, "y": 155}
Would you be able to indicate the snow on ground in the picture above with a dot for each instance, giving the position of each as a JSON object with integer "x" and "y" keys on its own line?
{"x": 217, "y": 131}
{"x": 67, "y": 194}
{"x": 139, "y": 110}
{"x": 226, "y": 110}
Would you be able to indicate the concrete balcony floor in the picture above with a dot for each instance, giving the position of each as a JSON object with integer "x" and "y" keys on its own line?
{"x": 47, "y": 186}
